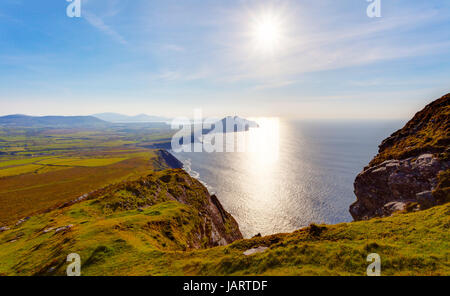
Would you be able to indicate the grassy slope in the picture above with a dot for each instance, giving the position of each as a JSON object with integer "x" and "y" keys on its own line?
{"x": 427, "y": 132}
{"x": 409, "y": 244}
{"x": 119, "y": 223}
{"x": 113, "y": 238}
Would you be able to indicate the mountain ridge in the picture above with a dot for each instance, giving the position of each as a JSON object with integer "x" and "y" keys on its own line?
{"x": 21, "y": 120}
{"x": 122, "y": 118}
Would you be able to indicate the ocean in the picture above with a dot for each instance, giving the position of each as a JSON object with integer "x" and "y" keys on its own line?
{"x": 300, "y": 172}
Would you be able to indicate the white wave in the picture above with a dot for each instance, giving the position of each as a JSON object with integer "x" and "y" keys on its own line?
{"x": 187, "y": 166}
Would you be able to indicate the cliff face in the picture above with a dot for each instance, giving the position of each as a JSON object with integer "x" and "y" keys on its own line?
{"x": 411, "y": 169}
{"x": 213, "y": 226}
{"x": 165, "y": 160}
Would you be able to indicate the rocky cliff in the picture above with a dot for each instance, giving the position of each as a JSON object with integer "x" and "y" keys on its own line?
{"x": 411, "y": 170}
{"x": 165, "y": 160}
{"x": 214, "y": 227}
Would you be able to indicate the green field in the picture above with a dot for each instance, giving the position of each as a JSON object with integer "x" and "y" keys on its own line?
{"x": 16, "y": 143}
{"x": 41, "y": 168}
{"x": 82, "y": 162}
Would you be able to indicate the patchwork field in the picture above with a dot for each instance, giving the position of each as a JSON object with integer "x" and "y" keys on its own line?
{"x": 41, "y": 168}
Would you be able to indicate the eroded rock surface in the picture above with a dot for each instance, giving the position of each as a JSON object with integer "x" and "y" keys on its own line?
{"x": 411, "y": 164}
{"x": 391, "y": 185}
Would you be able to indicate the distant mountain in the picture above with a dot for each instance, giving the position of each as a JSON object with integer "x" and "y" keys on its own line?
{"x": 232, "y": 124}
{"x": 121, "y": 118}
{"x": 229, "y": 124}
{"x": 51, "y": 121}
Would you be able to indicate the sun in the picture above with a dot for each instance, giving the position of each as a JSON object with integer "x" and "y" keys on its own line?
{"x": 267, "y": 32}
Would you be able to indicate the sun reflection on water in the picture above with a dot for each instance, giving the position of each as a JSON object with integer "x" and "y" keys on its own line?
{"x": 260, "y": 164}
{"x": 264, "y": 141}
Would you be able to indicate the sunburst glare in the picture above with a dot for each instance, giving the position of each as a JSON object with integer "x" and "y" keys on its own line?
{"x": 267, "y": 31}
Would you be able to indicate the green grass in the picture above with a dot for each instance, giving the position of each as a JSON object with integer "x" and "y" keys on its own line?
{"x": 88, "y": 162}
{"x": 20, "y": 161}
{"x": 102, "y": 230}
{"x": 18, "y": 170}
{"x": 427, "y": 132}
{"x": 135, "y": 228}
{"x": 46, "y": 141}
{"x": 31, "y": 188}
{"x": 43, "y": 167}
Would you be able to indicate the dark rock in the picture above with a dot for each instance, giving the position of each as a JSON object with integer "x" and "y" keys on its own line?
{"x": 408, "y": 180}
{"x": 166, "y": 178}
{"x": 169, "y": 160}
{"x": 390, "y": 184}
{"x": 426, "y": 198}
{"x": 316, "y": 230}
{"x": 225, "y": 229}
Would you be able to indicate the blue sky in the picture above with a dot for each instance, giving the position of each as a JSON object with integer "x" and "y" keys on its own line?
{"x": 169, "y": 57}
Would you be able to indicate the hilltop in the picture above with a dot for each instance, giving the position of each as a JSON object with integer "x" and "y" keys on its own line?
{"x": 121, "y": 118}
{"x": 19, "y": 120}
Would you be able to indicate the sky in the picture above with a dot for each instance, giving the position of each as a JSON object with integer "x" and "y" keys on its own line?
{"x": 294, "y": 59}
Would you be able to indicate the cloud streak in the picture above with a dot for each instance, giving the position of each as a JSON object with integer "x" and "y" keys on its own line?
{"x": 100, "y": 25}
{"x": 315, "y": 43}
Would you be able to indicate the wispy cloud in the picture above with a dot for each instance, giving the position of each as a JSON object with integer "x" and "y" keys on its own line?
{"x": 99, "y": 24}
{"x": 315, "y": 43}
{"x": 172, "y": 47}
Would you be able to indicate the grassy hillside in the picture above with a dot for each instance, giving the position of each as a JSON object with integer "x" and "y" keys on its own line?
{"x": 136, "y": 228}
{"x": 119, "y": 224}
{"x": 427, "y": 132}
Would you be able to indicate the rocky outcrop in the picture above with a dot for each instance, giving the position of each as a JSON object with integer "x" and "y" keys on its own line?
{"x": 388, "y": 187}
{"x": 165, "y": 160}
{"x": 220, "y": 227}
{"x": 213, "y": 226}
{"x": 412, "y": 163}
